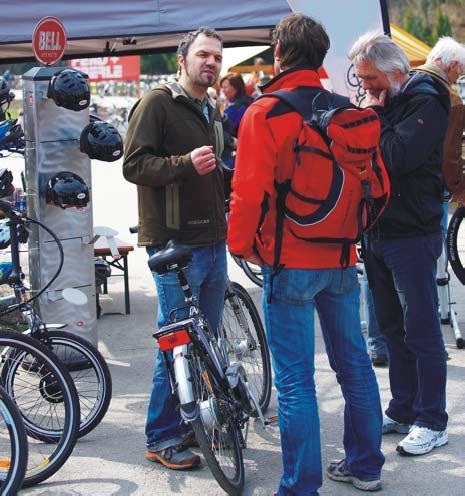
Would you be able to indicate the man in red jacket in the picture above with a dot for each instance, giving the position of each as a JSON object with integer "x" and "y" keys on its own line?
{"x": 310, "y": 277}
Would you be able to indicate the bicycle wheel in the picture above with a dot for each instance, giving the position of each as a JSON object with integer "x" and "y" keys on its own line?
{"x": 13, "y": 446}
{"x": 216, "y": 429}
{"x": 252, "y": 271}
{"x": 453, "y": 253}
{"x": 46, "y": 398}
{"x": 91, "y": 376}
{"x": 245, "y": 341}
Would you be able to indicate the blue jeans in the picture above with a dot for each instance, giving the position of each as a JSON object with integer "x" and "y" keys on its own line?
{"x": 206, "y": 275}
{"x": 406, "y": 304}
{"x": 376, "y": 342}
{"x": 289, "y": 318}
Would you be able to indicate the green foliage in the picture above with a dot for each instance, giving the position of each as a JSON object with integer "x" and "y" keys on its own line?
{"x": 427, "y": 20}
{"x": 159, "y": 63}
{"x": 443, "y": 26}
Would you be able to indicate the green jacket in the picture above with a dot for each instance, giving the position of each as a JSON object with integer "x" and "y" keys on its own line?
{"x": 174, "y": 201}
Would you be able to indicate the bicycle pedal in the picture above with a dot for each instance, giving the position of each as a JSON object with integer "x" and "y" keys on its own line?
{"x": 272, "y": 421}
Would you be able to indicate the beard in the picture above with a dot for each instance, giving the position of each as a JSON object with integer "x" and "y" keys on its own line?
{"x": 394, "y": 89}
{"x": 201, "y": 78}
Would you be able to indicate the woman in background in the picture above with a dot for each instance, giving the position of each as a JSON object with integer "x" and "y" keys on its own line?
{"x": 237, "y": 101}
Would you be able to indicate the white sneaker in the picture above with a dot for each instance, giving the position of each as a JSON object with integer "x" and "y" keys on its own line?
{"x": 390, "y": 425}
{"x": 421, "y": 440}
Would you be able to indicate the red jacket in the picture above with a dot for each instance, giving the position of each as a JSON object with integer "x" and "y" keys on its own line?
{"x": 265, "y": 153}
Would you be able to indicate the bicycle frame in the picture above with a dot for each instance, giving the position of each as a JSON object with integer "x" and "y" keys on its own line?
{"x": 202, "y": 338}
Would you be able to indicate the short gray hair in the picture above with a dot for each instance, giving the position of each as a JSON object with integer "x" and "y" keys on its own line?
{"x": 381, "y": 51}
{"x": 448, "y": 50}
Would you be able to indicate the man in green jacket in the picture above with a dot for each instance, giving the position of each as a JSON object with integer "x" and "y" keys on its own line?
{"x": 173, "y": 146}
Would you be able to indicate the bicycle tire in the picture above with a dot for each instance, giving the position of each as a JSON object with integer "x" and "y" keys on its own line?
{"x": 256, "y": 361}
{"x": 253, "y": 272}
{"x": 47, "y": 400}
{"x": 451, "y": 244}
{"x": 13, "y": 453}
{"x": 212, "y": 441}
{"x": 94, "y": 380}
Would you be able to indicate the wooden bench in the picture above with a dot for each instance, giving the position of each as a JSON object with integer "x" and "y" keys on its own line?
{"x": 101, "y": 249}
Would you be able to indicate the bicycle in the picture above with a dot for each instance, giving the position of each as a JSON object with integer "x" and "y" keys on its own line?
{"x": 86, "y": 365}
{"x": 45, "y": 395}
{"x": 244, "y": 338}
{"x": 13, "y": 446}
{"x": 213, "y": 394}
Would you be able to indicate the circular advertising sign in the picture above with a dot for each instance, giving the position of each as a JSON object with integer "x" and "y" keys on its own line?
{"x": 49, "y": 40}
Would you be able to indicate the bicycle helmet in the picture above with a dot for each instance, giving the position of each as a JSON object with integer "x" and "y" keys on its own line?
{"x": 6, "y": 183}
{"x": 11, "y": 134}
{"x": 101, "y": 141}
{"x": 67, "y": 190}
{"x": 102, "y": 271}
{"x": 70, "y": 89}
{"x": 6, "y": 95}
{"x": 4, "y": 234}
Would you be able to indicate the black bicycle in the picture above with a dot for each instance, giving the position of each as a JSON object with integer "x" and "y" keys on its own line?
{"x": 45, "y": 395}
{"x": 86, "y": 365}
{"x": 213, "y": 394}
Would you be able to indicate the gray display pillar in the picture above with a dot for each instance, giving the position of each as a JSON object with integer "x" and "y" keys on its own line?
{"x": 52, "y": 145}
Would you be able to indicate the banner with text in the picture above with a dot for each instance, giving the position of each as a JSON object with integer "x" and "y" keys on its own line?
{"x": 109, "y": 68}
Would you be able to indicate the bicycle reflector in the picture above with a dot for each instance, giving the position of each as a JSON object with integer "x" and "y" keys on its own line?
{"x": 169, "y": 341}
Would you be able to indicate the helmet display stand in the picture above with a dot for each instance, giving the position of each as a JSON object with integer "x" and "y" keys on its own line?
{"x": 52, "y": 135}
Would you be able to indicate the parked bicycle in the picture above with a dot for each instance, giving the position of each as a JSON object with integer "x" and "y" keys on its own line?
{"x": 244, "y": 339}
{"x": 45, "y": 395}
{"x": 89, "y": 370}
{"x": 213, "y": 394}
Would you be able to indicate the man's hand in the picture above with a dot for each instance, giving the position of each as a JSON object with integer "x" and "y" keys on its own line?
{"x": 374, "y": 98}
{"x": 203, "y": 159}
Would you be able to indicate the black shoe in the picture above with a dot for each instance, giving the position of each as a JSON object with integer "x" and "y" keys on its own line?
{"x": 175, "y": 457}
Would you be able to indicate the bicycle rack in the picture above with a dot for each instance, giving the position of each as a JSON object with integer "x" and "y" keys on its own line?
{"x": 448, "y": 314}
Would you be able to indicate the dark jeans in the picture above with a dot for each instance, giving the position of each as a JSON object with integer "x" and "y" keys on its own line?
{"x": 406, "y": 305}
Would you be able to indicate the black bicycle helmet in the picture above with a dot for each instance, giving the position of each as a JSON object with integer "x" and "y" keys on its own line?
{"x": 6, "y": 183}
{"x": 6, "y": 95}
{"x": 70, "y": 89}
{"x": 101, "y": 141}
{"x": 67, "y": 190}
{"x": 102, "y": 271}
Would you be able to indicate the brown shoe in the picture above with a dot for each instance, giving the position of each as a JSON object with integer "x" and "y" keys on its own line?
{"x": 175, "y": 457}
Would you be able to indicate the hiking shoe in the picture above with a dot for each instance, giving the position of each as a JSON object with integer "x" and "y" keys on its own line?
{"x": 339, "y": 471}
{"x": 421, "y": 440}
{"x": 390, "y": 425}
{"x": 175, "y": 457}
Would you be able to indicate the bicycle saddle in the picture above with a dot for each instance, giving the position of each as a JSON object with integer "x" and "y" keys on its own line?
{"x": 174, "y": 254}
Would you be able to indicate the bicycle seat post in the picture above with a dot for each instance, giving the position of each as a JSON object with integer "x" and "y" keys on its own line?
{"x": 188, "y": 296}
